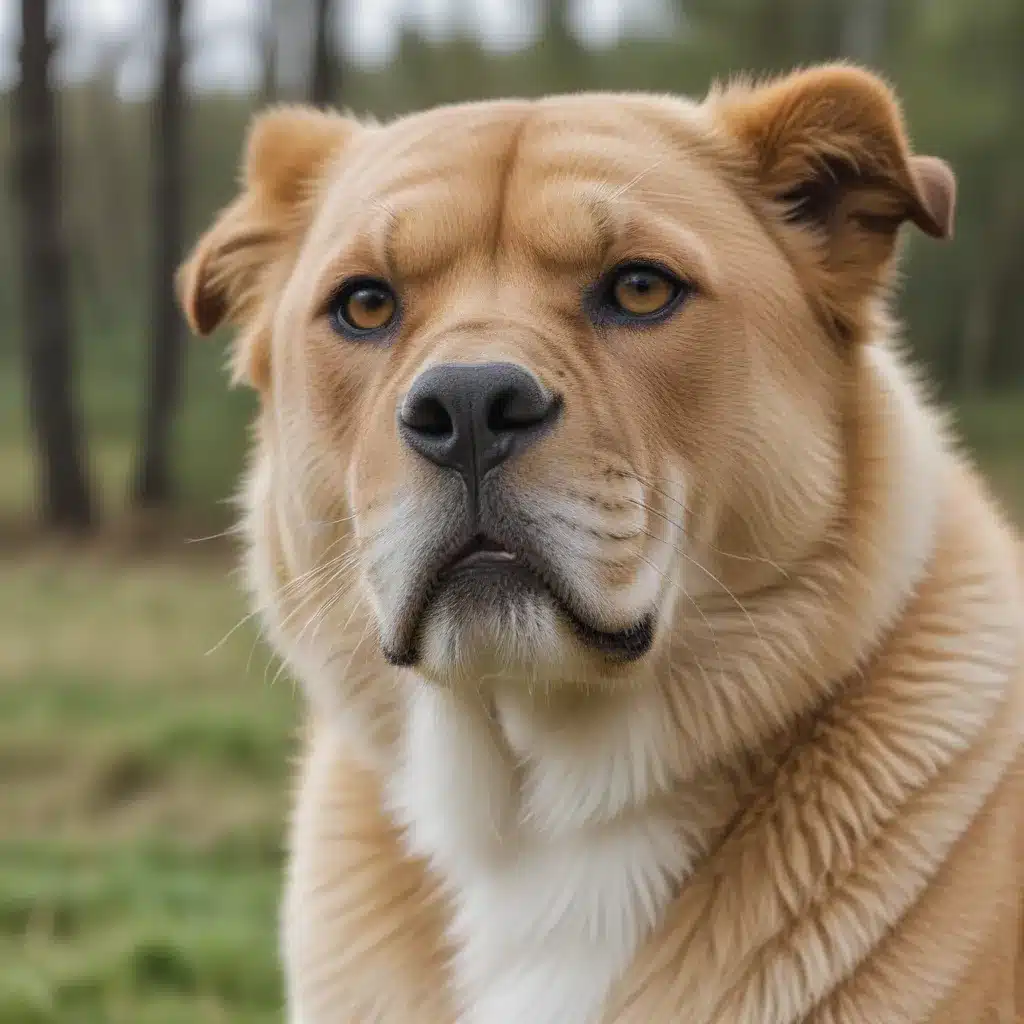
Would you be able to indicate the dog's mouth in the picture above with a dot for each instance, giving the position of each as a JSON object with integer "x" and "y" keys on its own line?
{"x": 491, "y": 560}
{"x": 480, "y": 553}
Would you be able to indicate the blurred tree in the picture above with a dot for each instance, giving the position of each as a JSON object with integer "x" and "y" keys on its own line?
{"x": 56, "y": 419}
{"x": 990, "y": 52}
{"x": 267, "y": 45}
{"x": 777, "y": 35}
{"x": 152, "y": 484}
{"x": 962, "y": 72}
{"x": 864, "y": 30}
{"x": 567, "y": 58}
{"x": 556, "y": 27}
{"x": 322, "y": 84}
{"x": 96, "y": 207}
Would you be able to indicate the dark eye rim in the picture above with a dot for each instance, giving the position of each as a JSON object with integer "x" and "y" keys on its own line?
{"x": 335, "y": 307}
{"x": 605, "y": 309}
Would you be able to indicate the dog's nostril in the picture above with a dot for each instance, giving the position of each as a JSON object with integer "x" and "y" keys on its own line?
{"x": 427, "y": 415}
{"x": 515, "y": 408}
{"x": 472, "y": 416}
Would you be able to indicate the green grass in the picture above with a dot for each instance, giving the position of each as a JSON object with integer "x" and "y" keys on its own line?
{"x": 142, "y": 796}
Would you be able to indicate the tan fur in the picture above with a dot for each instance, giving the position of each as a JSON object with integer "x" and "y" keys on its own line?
{"x": 834, "y": 697}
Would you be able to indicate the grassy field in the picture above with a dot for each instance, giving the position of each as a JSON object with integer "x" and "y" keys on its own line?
{"x": 142, "y": 780}
{"x": 141, "y": 795}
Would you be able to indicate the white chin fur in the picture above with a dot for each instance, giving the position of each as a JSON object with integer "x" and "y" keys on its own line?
{"x": 521, "y": 638}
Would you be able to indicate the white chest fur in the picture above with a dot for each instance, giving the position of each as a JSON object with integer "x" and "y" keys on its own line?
{"x": 559, "y": 862}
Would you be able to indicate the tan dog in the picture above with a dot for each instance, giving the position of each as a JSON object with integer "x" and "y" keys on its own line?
{"x": 663, "y": 658}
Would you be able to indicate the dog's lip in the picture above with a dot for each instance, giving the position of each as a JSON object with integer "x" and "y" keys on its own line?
{"x": 486, "y": 553}
{"x": 479, "y": 551}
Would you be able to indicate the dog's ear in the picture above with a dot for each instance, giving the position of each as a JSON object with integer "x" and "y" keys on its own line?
{"x": 226, "y": 277}
{"x": 829, "y": 146}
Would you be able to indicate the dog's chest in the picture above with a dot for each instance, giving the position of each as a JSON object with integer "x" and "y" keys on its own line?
{"x": 545, "y": 920}
{"x": 544, "y": 934}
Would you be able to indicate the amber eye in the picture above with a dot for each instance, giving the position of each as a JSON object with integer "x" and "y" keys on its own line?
{"x": 642, "y": 291}
{"x": 363, "y": 306}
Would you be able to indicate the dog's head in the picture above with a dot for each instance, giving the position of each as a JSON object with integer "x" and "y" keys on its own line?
{"x": 538, "y": 376}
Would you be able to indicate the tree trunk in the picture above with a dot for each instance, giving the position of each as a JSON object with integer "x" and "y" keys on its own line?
{"x": 568, "y": 58}
{"x": 322, "y": 84}
{"x": 56, "y": 419}
{"x": 864, "y": 30}
{"x": 979, "y": 338}
{"x": 152, "y": 486}
{"x": 268, "y": 53}
{"x": 557, "y": 23}
{"x": 976, "y": 344}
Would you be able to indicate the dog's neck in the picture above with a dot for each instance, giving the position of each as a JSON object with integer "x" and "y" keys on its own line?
{"x": 563, "y": 823}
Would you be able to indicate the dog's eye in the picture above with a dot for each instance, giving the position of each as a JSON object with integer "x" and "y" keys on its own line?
{"x": 640, "y": 291}
{"x": 362, "y": 306}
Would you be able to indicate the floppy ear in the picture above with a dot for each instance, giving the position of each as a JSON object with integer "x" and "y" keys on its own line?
{"x": 227, "y": 277}
{"x": 829, "y": 146}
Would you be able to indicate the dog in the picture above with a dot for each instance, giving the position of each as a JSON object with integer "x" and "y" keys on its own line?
{"x": 662, "y": 653}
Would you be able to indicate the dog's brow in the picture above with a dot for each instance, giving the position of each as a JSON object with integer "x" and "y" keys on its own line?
{"x": 575, "y": 227}
{"x": 606, "y": 218}
{"x": 420, "y": 238}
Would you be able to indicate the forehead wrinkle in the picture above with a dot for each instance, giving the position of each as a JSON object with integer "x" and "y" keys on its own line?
{"x": 570, "y": 227}
{"x": 382, "y": 232}
{"x": 605, "y": 219}
{"x": 355, "y": 248}
{"x": 423, "y": 239}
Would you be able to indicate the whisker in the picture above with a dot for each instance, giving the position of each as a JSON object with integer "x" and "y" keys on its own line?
{"x": 252, "y": 650}
{"x": 623, "y": 189}
{"x": 711, "y": 547}
{"x": 707, "y": 572}
{"x": 231, "y": 632}
{"x": 347, "y": 519}
{"x": 696, "y": 606}
{"x": 279, "y": 593}
{"x": 362, "y": 636}
{"x": 688, "y": 510}
{"x": 732, "y": 597}
{"x": 338, "y": 567}
{"x": 315, "y": 577}
{"x": 321, "y": 616}
{"x": 231, "y": 531}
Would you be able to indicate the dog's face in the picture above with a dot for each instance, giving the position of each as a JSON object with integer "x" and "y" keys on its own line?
{"x": 544, "y": 373}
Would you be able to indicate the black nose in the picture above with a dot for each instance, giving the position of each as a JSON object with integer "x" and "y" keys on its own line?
{"x": 472, "y": 417}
